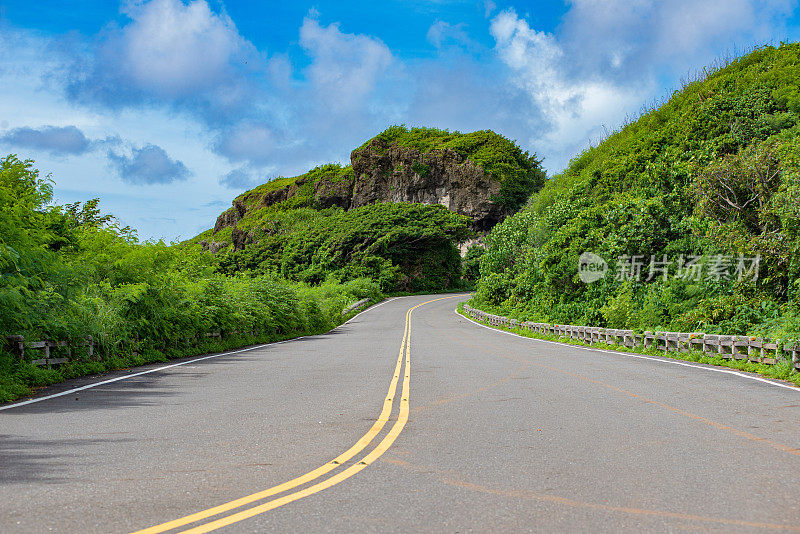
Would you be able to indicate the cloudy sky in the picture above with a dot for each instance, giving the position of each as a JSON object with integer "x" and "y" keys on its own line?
{"x": 166, "y": 110}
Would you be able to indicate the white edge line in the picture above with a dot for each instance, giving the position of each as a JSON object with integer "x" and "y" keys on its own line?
{"x": 641, "y": 357}
{"x": 229, "y": 353}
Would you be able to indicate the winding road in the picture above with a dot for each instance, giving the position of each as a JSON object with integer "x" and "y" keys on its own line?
{"x": 408, "y": 418}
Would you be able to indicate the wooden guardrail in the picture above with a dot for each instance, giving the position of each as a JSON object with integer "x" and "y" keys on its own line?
{"x": 749, "y": 348}
{"x": 49, "y": 353}
{"x": 354, "y": 306}
{"x": 17, "y": 344}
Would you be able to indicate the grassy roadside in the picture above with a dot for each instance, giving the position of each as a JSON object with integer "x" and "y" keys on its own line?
{"x": 29, "y": 378}
{"x": 782, "y": 371}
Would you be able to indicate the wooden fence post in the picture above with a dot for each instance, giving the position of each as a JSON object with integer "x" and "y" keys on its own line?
{"x": 706, "y": 348}
{"x": 720, "y": 346}
{"x": 90, "y": 347}
{"x": 17, "y": 346}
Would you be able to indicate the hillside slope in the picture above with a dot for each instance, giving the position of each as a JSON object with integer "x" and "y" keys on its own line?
{"x": 396, "y": 214}
{"x": 679, "y": 204}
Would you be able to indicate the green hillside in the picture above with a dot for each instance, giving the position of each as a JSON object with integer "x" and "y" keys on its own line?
{"x": 709, "y": 178}
{"x": 293, "y": 226}
{"x": 405, "y": 247}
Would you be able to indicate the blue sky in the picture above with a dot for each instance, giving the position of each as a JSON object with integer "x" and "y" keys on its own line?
{"x": 168, "y": 109}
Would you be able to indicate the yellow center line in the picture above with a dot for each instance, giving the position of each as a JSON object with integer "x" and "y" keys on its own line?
{"x": 382, "y": 447}
{"x": 360, "y": 445}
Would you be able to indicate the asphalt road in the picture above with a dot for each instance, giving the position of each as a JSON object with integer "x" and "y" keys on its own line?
{"x": 498, "y": 434}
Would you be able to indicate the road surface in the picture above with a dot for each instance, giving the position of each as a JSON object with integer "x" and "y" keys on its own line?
{"x": 488, "y": 432}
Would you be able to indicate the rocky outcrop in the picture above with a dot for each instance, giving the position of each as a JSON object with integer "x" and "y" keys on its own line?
{"x": 212, "y": 246}
{"x": 328, "y": 193}
{"x": 227, "y": 218}
{"x": 240, "y": 238}
{"x": 231, "y": 216}
{"x": 391, "y": 173}
{"x": 386, "y": 172}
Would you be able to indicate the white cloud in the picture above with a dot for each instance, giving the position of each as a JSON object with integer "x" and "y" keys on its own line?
{"x": 56, "y": 140}
{"x": 441, "y": 32}
{"x": 610, "y": 57}
{"x": 300, "y": 118}
{"x": 574, "y": 109}
{"x": 171, "y": 48}
{"x": 183, "y": 55}
{"x": 247, "y": 142}
{"x": 345, "y": 67}
{"x": 635, "y": 35}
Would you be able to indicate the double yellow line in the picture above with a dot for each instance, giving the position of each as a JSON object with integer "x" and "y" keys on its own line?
{"x": 361, "y": 444}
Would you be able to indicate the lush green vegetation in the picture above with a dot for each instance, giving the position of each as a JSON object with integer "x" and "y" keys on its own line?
{"x": 281, "y": 227}
{"x": 68, "y": 272}
{"x": 404, "y": 247}
{"x": 714, "y": 172}
{"x": 472, "y": 262}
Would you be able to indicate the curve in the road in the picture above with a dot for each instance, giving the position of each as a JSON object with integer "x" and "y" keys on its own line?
{"x": 93, "y": 385}
{"x": 643, "y": 357}
{"x": 719, "y": 426}
{"x": 403, "y": 366}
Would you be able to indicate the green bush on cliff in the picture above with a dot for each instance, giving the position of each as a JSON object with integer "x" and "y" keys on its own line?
{"x": 302, "y": 187}
{"x": 403, "y": 246}
{"x": 714, "y": 171}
